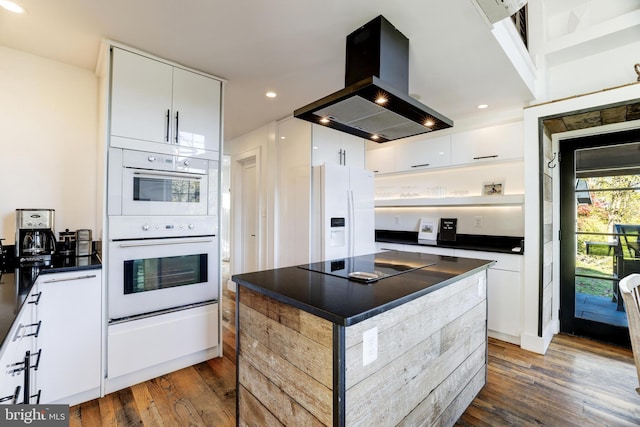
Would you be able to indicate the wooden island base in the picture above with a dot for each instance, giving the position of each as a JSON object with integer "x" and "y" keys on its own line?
{"x": 295, "y": 368}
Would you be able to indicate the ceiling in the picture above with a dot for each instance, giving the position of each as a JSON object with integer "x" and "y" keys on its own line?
{"x": 292, "y": 47}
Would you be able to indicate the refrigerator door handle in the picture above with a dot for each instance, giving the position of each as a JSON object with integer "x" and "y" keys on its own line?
{"x": 351, "y": 245}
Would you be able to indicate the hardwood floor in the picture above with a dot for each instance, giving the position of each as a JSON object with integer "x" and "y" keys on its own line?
{"x": 578, "y": 382}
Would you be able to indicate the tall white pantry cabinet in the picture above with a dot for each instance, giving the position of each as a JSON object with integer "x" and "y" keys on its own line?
{"x": 154, "y": 105}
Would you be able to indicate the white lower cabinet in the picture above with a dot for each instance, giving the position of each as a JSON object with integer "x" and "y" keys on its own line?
{"x": 504, "y": 294}
{"x": 70, "y": 336}
{"x": 137, "y": 347}
{"x": 504, "y": 287}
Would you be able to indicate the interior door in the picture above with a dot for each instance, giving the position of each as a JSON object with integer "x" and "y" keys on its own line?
{"x": 599, "y": 183}
{"x": 249, "y": 217}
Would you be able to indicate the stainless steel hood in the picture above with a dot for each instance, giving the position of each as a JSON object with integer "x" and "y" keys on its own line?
{"x": 375, "y": 103}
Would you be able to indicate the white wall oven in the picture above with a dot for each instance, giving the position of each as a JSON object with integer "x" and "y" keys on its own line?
{"x": 163, "y": 250}
{"x": 152, "y": 275}
{"x": 144, "y": 183}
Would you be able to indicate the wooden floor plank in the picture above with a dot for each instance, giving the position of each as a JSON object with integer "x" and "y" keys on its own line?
{"x": 579, "y": 382}
{"x": 149, "y": 412}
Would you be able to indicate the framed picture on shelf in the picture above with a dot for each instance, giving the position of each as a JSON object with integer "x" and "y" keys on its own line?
{"x": 493, "y": 188}
{"x": 428, "y": 231}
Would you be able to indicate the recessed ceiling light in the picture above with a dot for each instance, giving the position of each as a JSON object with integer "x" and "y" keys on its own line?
{"x": 483, "y": 106}
{"x": 283, "y": 137}
{"x": 271, "y": 94}
{"x": 324, "y": 120}
{"x": 374, "y": 137}
{"x": 428, "y": 123}
{"x": 11, "y": 6}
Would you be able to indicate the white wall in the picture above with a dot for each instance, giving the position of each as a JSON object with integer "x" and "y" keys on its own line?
{"x": 260, "y": 143}
{"x": 583, "y": 46}
{"x": 611, "y": 68}
{"x": 48, "y": 140}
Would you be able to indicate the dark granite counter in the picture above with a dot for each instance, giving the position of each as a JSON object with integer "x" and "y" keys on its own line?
{"x": 16, "y": 282}
{"x": 499, "y": 244}
{"x": 346, "y": 302}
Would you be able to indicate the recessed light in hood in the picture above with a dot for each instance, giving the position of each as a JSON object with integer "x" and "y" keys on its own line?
{"x": 375, "y": 103}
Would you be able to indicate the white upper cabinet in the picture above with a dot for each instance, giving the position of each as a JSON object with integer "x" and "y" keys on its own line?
{"x": 423, "y": 154}
{"x": 156, "y": 102}
{"x": 334, "y": 147}
{"x": 382, "y": 160}
{"x": 196, "y": 110}
{"x": 502, "y": 142}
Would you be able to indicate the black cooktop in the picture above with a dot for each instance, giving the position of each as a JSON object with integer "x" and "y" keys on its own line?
{"x": 371, "y": 268}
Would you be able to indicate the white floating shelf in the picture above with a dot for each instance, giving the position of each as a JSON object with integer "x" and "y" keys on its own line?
{"x": 506, "y": 200}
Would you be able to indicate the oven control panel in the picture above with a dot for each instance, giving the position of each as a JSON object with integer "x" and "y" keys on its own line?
{"x": 134, "y": 227}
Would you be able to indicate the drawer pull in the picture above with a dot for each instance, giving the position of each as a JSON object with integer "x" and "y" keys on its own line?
{"x": 26, "y": 363}
{"x": 424, "y": 165}
{"x": 37, "y": 298}
{"x": 37, "y": 396}
{"x": 493, "y": 156}
{"x": 24, "y": 327}
{"x": 88, "y": 276}
{"x": 13, "y": 398}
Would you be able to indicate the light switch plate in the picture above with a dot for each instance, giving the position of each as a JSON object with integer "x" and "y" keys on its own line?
{"x": 369, "y": 346}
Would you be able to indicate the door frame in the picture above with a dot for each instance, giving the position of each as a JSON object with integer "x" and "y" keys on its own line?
{"x": 236, "y": 246}
{"x": 564, "y": 226}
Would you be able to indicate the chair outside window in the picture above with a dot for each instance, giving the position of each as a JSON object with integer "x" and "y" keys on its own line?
{"x": 630, "y": 290}
{"x": 629, "y": 235}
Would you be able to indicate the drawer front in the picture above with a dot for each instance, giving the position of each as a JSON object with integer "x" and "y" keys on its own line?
{"x": 139, "y": 344}
{"x": 504, "y": 261}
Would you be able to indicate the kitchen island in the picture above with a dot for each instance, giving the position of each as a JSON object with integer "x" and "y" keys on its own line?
{"x": 315, "y": 348}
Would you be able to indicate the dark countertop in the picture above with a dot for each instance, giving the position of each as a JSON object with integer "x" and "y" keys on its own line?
{"x": 474, "y": 242}
{"x": 347, "y": 302}
{"x": 16, "y": 282}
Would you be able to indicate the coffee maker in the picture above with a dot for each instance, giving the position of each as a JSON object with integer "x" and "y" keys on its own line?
{"x": 35, "y": 238}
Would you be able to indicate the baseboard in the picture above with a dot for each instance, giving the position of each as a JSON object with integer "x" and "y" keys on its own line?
{"x": 504, "y": 337}
{"x": 538, "y": 344}
{"x": 78, "y": 398}
{"x": 124, "y": 381}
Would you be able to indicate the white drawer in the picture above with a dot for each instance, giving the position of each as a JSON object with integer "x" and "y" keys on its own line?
{"x": 504, "y": 261}
{"x": 139, "y": 344}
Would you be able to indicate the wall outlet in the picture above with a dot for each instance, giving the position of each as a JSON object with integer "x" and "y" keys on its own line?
{"x": 477, "y": 221}
{"x": 369, "y": 346}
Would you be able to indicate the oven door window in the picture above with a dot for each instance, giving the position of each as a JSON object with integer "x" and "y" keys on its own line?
{"x": 141, "y": 275}
{"x": 175, "y": 190}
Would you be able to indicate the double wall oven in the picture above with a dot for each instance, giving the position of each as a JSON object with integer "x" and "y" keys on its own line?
{"x": 163, "y": 233}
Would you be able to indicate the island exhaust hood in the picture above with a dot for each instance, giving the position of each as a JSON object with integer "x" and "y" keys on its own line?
{"x": 375, "y": 103}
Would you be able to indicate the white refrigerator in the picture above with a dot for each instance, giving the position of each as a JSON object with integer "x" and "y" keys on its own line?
{"x": 343, "y": 212}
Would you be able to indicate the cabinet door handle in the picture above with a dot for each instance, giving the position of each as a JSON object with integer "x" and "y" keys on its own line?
{"x": 87, "y": 276}
{"x": 344, "y": 157}
{"x": 493, "y": 156}
{"x": 177, "y": 124}
{"x": 27, "y": 379}
{"x": 166, "y": 138}
{"x": 423, "y": 165}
